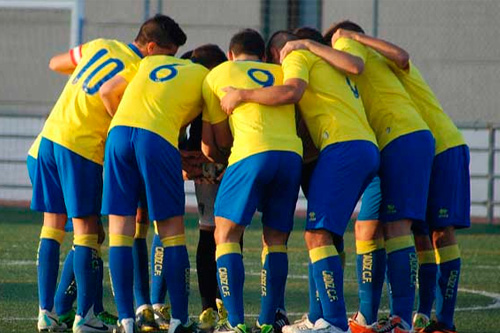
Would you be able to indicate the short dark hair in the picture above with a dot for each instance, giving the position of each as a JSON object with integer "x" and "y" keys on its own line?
{"x": 187, "y": 54}
{"x": 278, "y": 40}
{"x": 345, "y": 24}
{"x": 162, "y": 30}
{"x": 247, "y": 41}
{"x": 310, "y": 33}
{"x": 208, "y": 55}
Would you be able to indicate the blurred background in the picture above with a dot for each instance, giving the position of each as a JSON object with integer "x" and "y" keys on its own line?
{"x": 455, "y": 44}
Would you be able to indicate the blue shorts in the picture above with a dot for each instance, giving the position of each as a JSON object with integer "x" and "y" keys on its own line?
{"x": 31, "y": 164}
{"x": 138, "y": 162}
{"x": 449, "y": 190}
{"x": 65, "y": 182}
{"x": 341, "y": 175}
{"x": 268, "y": 180}
{"x": 370, "y": 201}
{"x": 307, "y": 170}
{"x": 448, "y": 202}
{"x": 405, "y": 172}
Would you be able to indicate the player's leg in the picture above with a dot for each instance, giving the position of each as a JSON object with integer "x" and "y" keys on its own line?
{"x": 206, "y": 266}
{"x": 370, "y": 259}
{"x": 237, "y": 199}
{"x": 448, "y": 210}
{"x": 81, "y": 183}
{"x": 427, "y": 270}
{"x": 164, "y": 188}
{"x": 48, "y": 198}
{"x": 405, "y": 173}
{"x": 158, "y": 283}
{"x": 105, "y": 316}
{"x": 122, "y": 186}
{"x": 144, "y": 311}
{"x": 278, "y": 206}
{"x": 66, "y": 292}
{"x": 337, "y": 182}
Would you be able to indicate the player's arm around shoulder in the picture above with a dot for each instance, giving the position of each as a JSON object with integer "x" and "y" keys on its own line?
{"x": 343, "y": 61}
{"x": 394, "y": 53}
{"x": 111, "y": 93}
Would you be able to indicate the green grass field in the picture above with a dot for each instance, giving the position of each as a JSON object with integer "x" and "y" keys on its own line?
{"x": 478, "y": 309}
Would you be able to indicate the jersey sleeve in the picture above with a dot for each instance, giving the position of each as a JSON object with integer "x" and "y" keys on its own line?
{"x": 352, "y": 47}
{"x": 296, "y": 66}
{"x": 77, "y": 52}
{"x": 212, "y": 112}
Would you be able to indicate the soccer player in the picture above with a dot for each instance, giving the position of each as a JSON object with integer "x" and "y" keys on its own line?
{"x": 65, "y": 294}
{"x": 348, "y": 160}
{"x": 263, "y": 172}
{"x": 206, "y": 186}
{"x": 407, "y": 150}
{"x": 68, "y": 174}
{"x": 161, "y": 97}
{"x": 448, "y": 204}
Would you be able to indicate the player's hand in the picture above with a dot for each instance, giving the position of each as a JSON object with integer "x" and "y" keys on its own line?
{"x": 231, "y": 100}
{"x": 341, "y": 33}
{"x": 293, "y": 45}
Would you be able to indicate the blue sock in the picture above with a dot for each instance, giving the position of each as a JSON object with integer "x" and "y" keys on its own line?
{"x": 48, "y": 265}
{"x": 329, "y": 278}
{"x": 448, "y": 260}
{"x": 402, "y": 266}
{"x": 66, "y": 290}
{"x": 177, "y": 273}
{"x": 273, "y": 280}
{"x": 427, "y": 271}
{"x": 315, "y": 311}
{"x": 141, "y": 269}
{"x": 231, "y": 277}
{"x": 370, "y": 271}
{"x": 158, "y": 283}
{"x": 85, "y": 267}
{"x": 121, "y": 266}
{"x": 98, "y": 303}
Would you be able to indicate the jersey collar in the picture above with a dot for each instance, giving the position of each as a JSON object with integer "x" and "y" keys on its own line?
{"x": 136, "y": 50}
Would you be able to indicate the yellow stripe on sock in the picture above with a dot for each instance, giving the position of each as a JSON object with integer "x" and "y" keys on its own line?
{"x": 53, "y": 233}
{"x": 322, "y": 252}
{"x": 426, "y": 257}
{"x": 398, "y": 243}
{"x": 272, "y": 249}
{"x": 177, "y": 240}
{"x": 447, "y": 253}
{"x": 156, "y": 227}
{"x": 141, "y": 230}
{"x": 120, "y": 240}
{"x": 227, "y": 248}
{"x": 86, "y": 240}
{"x": 364, "y": 247}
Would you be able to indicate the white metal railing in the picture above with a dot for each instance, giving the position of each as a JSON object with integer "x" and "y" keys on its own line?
{"x": 491, "y": 149}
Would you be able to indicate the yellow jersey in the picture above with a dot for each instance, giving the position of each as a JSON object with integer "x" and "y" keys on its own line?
{"x": 79, "y": 121}
{"x": 33, "y": 152}
{"x": 331, "y": 106}
{"x": 446, "y": 134}
{"x": 390, "y": 111}
{"x": 256, "y": 128}
{"x": 163, "y": 96}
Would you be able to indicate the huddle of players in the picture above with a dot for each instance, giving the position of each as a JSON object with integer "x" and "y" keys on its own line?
{"x": 359, "y": 97}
